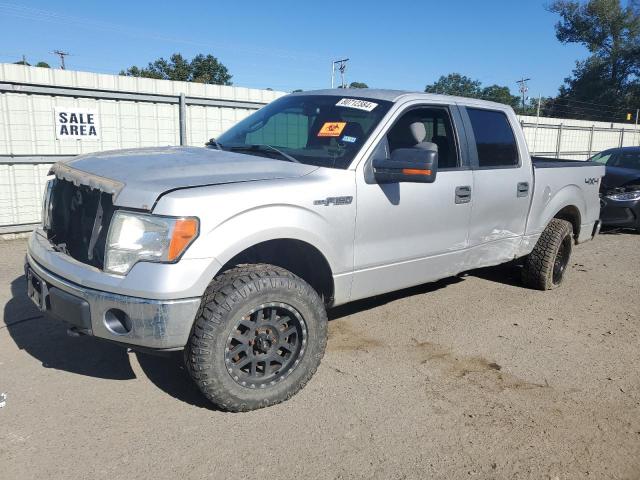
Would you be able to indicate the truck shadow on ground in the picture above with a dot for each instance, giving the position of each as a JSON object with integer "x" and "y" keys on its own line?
{"x": 506, "y": 274}
{"x": 46, "y": 340}
{"x": 379, "y": 300}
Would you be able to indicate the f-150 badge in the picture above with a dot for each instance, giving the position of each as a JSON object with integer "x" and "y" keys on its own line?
{"x": 334, "y": 201}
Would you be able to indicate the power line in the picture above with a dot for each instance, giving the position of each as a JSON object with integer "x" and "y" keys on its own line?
{"x": 53, "y": 17}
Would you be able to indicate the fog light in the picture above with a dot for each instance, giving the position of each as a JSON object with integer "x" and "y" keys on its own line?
{"x": 117, "y": 321}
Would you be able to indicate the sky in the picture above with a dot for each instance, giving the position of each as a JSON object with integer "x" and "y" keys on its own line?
{"x": 286, "y": 45}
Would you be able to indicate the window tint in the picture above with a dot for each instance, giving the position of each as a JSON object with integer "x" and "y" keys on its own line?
{"x": 288, "y": 129}
{"x": 437, "y": 126}
{"x": 494, "y": 138}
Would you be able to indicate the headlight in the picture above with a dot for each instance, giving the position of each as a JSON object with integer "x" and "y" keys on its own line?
{"x": 635, "y": 195}
{"x": 136, "y": 237}
{"x": 47, "y": 205}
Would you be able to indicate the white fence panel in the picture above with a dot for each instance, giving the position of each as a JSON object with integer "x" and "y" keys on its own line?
{"x": 141, "y": 112}
{"x": 575, "y": 139}
{"x": 132, "y": 112}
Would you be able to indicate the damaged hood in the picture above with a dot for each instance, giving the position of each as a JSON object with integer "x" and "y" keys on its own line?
{"x": 137, "y": 177}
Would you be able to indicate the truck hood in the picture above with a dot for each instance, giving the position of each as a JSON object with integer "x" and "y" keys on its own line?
{"x": 137, "y": 177}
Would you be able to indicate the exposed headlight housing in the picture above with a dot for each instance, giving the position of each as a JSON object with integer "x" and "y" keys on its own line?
{"x": 47, "y": 205}
{"x": 136, "y": 237}
{"x": 633, "y": 195}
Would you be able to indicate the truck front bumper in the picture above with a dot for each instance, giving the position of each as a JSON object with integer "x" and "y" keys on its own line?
{"x": 148, "y": 323}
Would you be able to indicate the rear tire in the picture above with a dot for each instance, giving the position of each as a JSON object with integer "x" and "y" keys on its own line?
{"x": 546, "y": 266}
{"x": 258, "y": 337}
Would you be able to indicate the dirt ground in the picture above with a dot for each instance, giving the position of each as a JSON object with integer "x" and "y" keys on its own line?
{"x": 473, "y": 376}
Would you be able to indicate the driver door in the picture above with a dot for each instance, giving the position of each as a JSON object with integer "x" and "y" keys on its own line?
{"x": 411, "y": 233}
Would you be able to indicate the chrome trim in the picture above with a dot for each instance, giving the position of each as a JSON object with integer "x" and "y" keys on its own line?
{"x": 159, "y": 324}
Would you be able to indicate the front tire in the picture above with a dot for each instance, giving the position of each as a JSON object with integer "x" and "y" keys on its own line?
{"x": 546, "y": 266}
{"x": 258, "y": 337}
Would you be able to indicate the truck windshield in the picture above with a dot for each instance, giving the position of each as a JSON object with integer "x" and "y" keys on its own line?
{"x": 322, "y": 130}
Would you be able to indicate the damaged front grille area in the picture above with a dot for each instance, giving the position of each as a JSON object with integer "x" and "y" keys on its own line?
{"x": 77, "y": 219}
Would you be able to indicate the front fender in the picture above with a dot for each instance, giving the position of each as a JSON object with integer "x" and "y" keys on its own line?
{"x": 272, "y": 222}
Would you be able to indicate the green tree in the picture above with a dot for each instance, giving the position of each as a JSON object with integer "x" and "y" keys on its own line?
{"x": 39, "y": 64}
{"x": 463, "y": 86}
{"x": 455, "y": 84}
{"x": 606, "y": 84}
{"x": 497, "y": 93}
{"x": 358, "y": 85}
{"x": 201, "y": 69}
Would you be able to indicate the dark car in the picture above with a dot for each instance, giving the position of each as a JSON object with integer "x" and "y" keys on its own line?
{"x": 620, "y": 187}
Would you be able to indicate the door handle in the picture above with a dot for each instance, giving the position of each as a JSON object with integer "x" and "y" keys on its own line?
{"x": 463, "y": 194}
{"x": 523, "y": 189}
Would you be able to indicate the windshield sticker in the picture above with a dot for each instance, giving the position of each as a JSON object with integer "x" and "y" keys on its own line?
{"x": 331, "y": 129}
{"x": 357, "y": 104}
{"x": 349, "y": 139}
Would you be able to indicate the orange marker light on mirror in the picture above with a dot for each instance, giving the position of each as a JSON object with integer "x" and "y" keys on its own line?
{"x": 415, "y": 171}
{"x": 184, "y": 232}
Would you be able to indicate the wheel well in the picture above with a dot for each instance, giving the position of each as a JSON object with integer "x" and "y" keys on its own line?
{"x": 571, "y": 214}
{"x": 300, "y": 258}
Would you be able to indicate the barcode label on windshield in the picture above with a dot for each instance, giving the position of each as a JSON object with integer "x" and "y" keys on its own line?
{"x": 355, "y": 103}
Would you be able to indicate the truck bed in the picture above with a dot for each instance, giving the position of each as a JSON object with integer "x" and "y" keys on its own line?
{"x": 544, "y": 162}
{"x": 558, "y": 182}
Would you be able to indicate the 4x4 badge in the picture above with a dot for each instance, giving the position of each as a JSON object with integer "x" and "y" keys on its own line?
{"x": 591, "y": 181}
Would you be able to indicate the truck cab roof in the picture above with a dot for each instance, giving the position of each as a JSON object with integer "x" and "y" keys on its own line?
{"x": 406, "y": 95}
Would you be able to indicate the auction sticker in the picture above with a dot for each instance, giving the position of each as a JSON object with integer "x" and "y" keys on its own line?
{"x": 331, "y": 129}
{"x": 356, "y": 103}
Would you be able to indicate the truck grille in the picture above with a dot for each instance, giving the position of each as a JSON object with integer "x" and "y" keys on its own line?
{"x": 77, "y": 220}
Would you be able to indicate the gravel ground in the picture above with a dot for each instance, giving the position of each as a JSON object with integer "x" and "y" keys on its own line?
{"x": 473, "y": 376}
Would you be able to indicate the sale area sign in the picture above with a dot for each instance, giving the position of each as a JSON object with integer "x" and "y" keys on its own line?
{"x": 76, "y": 124}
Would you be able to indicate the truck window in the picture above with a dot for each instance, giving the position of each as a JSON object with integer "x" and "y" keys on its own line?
{"x": 495, "y": 141}
{"x": 288, "y": 128}
{"x": 322, "y": 130}
{"x": 437, "y": 126}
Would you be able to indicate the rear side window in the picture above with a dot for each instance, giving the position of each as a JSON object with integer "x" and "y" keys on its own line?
{"x": 495, "y": 141}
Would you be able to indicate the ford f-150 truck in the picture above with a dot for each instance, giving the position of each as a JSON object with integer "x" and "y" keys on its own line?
{"x": 234, "y": 252}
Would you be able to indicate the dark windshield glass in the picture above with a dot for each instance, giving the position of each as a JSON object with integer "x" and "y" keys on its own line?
{"x": 320, "y": 130}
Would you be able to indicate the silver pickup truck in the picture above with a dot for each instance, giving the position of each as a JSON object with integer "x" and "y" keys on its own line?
{"x": 233, "y": 252}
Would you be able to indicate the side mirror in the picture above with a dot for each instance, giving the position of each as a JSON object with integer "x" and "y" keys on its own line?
{"x": 417, "y": 164}
{"x": 213, "y": 143}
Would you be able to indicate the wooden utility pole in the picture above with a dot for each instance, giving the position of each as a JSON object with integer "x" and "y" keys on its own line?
{"x": 61, "y": 54}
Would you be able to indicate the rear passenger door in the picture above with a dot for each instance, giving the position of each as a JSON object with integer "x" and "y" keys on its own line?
{"x": 502, "y": 186}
